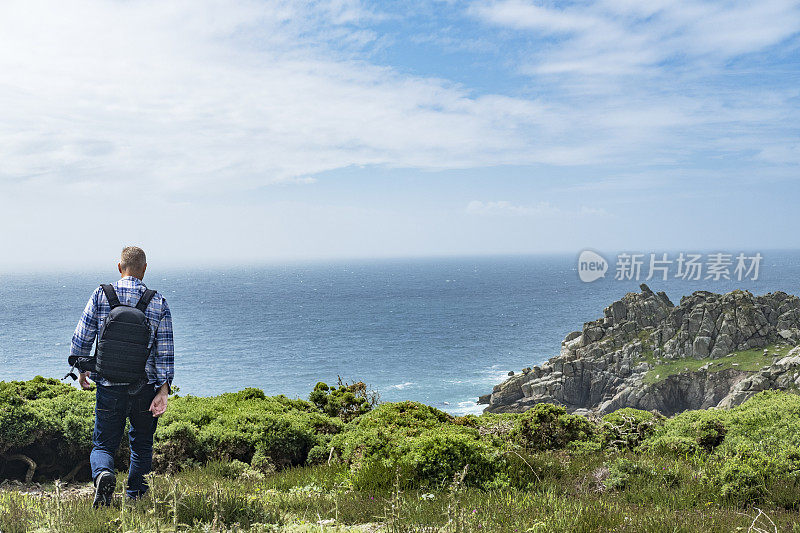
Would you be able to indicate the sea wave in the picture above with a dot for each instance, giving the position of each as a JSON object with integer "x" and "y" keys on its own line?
{"x": 466, "y": 408}
{"x": 401, "y": 386}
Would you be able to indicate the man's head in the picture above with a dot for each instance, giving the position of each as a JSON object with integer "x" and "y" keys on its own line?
{"x": 132, "y": 262}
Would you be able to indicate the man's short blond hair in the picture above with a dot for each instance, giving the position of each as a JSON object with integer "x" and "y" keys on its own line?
{"x": 132, "y": 259}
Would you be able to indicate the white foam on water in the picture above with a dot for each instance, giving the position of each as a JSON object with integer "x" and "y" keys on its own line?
{"x": 401, "y": 386}
{"x": 491, "y": 376}
{"x": 466, "y": 408}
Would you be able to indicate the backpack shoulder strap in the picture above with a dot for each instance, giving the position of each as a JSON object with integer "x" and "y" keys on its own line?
{"x": 144, "y": 301}
{"x": 111, "y": 295}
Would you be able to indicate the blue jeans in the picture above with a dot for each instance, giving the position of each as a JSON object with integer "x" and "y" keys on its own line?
{"x": 114, "y": 404}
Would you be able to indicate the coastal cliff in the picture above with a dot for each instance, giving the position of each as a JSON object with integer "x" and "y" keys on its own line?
{"x": 711, "y": 350}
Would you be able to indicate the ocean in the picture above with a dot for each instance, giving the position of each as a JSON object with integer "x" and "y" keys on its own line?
{"x": 439, "y": 331}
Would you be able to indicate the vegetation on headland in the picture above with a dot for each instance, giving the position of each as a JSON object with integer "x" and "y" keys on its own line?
{"x": 743, "y": 360}
{"x": 245, "y": 461}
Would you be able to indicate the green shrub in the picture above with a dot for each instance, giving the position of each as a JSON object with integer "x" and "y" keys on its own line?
{"x": 742, "y": 478}
{"x": 404, "y": 414}
{"x": 425, "y": 447}
{"x": 784, "y": 491}
{"x": 47, "y": 421}
{"x": 233, "y": 426}
{"x": 431, "y": 460}
{"x": 710, "y": 433}
{"x": 673, "y": 445}
{"x": 262, "y": 462}
{"x": 620, "y": 472}
{"x": 525, "y": 471}
{"x": 471, "y": 421}
{"x": 642, "y": 471}
{"x": 347, "y": 401}
{"x": 584, "y": 447}
{"x": 436, "y": 457}
{"x": 52, "y": 423}
{"x": 628, "y": 427}
{"x": 177, "y": 446}
{"x": 39, "y": 387}
{"x": 747, "y": 454}
{"x": 318, "y": 455}
{"x": 751, "y": 452}
{"x": 378, "y": 432}
{"x": 20, "y": 424}
{"x": 548, "y": 427}
{"x": 249, "y": 393}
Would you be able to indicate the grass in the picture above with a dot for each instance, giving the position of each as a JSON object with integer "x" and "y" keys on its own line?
{"x": 569, "y": 493}
{"x": 745, "y": 360}
{"x": 644, "y": 334}
{"x": 716, "y": 470}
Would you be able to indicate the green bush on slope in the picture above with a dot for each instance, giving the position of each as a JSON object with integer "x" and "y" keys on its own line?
{"x": 347, "y": 401}
{"x": 20, "y": 424}
{"x": 752, "y": 452}
{"x": 237, "y": 426}
{"x": 747, "y": 454}
{"x": 47, "y": 421}
{"x": 377, "y": 433}
{"x": 548, "y": 427}
{"x": 416, "y": 443}
{"x": 628, "y": 427}
{"x": 52, "y": 423}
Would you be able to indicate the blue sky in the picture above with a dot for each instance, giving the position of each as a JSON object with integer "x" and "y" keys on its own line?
{"x": 226, "y": 132}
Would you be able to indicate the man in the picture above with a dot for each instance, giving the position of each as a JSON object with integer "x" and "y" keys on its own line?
{"x": 142, "y": 400}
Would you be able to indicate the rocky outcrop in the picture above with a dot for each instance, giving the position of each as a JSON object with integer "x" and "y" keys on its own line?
{"x": 611, "y": 362}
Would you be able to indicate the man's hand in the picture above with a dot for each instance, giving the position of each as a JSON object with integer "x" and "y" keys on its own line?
{"x": 83, "y": 379}
{"x": 159, "y": 405}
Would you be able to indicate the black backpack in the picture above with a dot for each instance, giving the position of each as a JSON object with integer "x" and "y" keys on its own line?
{"x": 123, "y": 342}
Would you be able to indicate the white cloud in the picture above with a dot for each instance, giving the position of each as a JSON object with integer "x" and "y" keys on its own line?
{"x": 194, "y": 101}
{"x": 784, "y": 154}
{"x": 625, "y": 36}
{"x": 203, "y": 95}
{"x": 207, "y": 95}
{"x": 665, "y": 82}
{"x": 528, "y": 15}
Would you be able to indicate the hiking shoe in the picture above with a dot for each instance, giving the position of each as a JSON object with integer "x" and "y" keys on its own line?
{"x": 104, "y": 487}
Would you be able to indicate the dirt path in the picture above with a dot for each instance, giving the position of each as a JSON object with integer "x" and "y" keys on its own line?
{"x": 48, "y": 490}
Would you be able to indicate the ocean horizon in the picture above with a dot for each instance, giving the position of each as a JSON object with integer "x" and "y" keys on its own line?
{"x": 442, "y": 331}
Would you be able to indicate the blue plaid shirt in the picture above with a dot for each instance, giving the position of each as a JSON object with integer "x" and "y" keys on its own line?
{"x": 160, "y": 365}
